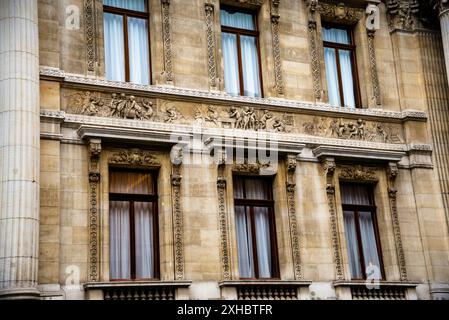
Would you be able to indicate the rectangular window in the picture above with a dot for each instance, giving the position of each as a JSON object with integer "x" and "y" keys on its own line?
{"x": 362, "y": 236}
{"x": 126, "y": 41}
{"x": 341, "y": 71}
{"x": 256, "y": 234}
{"x": 240, "y": 46}
{"x": 133, "y": 225}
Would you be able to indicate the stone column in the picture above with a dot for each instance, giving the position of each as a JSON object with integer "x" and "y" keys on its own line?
{"x": 444, "y": 22}
{"x": 19, "y": 148}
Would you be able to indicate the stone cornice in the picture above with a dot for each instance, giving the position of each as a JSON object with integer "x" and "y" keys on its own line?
{"x": 161, "y": 133}
{"x": 279, "y": 104}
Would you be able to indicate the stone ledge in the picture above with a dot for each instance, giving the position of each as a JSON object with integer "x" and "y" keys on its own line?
{"x": 388, "y": 290}
{"x": 280, "y": 104}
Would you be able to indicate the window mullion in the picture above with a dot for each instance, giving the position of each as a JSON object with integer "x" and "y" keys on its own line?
{"x": 254, "y": 242}
{"x": 239, "y": 55}
{"x": 359, "y": 243}
{"x": 340, "y": 79}
{"x": 126, "y": 45}
{"x": 132, "y": 240}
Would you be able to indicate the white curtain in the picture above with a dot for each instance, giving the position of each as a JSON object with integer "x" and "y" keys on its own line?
{"x": 353, "y": 193}
{"x": 351, "y": 239}
{"x": 368, "y": 236}
{"x": 338, "y": 36}
{"x": 130, "y": 182}
{"x": 346, "y": 78}
{"x": 244, "y": 243}
{"x": 120, "y": 267}
{"x": 114, "y": 47}
{"x": 332, "y": 76}
{"x": 250, "y": 66}
{"x": 231, "y": 68}
{"x": 263, "y": 241}
{"x": 136, "y": 5}
{"x": 139, "y": 69}
{"x": 143, "y": 218}
{"x": 248, "y": 51}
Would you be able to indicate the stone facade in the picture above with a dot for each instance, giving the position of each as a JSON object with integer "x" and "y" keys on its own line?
{"x": 398, "y": 141}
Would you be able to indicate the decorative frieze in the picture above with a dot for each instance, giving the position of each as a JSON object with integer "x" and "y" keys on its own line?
{"x": 166, "y": 36}
{"x": 255, "y": 167}
{"x": 279, "y": 85}
{"x": 357, "y": 173}
{"x": 339, "y": 13}
{"x": 135, "y": 157}
{"x": 178, "y": 228}
{"x": 247, "y": 118}
{"x": 94, "y": 196}
{"x": 352, "y": 130}
{"x": 293, "y": 224}
{"x": 211, "y": 48}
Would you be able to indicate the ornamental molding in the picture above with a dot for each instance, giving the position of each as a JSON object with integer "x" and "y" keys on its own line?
{"x": 245, "y": 3}
{"x": 134, "y": 157}
{"x": 91, "y": 34}
{"x": 291, "y": 163}
{"x": 314, "y": 48}
{"x": 166, "y": 36}
{"x": 279, "y": 85}
{"x": 403, "y": 14}
{"x": 178, "y": 224}
{"x": 339, "y": 13}
{"x": 83, "y": 82}
{"x": 94, "y": 148}
{"x": 352, "y": 130}
{"x": 209, "y": 9}
{"x": 256, "y": 167}
{"x": 357, "y": 173}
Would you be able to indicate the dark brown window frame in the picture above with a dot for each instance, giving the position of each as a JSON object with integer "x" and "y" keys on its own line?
{"x": 125, "y": 13}
{"x": 365, "y": 208}
{"x": 251, "y": 203}
{"x": 349, "y": 47}
{"x": 238, "y": 32}
{"x": 131, "y": 198}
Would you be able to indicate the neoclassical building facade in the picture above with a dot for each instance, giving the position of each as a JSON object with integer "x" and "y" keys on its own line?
{"x": 233, "y": 149}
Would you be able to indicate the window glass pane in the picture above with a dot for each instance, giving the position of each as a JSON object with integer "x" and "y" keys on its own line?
{"x": 346, "y": 77}
{"x": 332, "y": 76}
{"x": 250, "y": 66}
{"x": 263, "y": 241}
{"x": 119, "y": 243}
{"x": 231, "y": 63}
{"x": 239, "y": 20}
{"x": 252, "y": 188}
{"x": 114, "y": 47}
{"x": 135, "y": 5}
{"x": 130, "y": 182}
{"x": 369, "y": 244}
{"x": 244, "y": 242}
{"x": 336, "y": 35}
{"x": 138, "y": 50}
{"x": 353, "y": 193}
{"x": 351, "y": 240}
{"x": 144, "y": 237}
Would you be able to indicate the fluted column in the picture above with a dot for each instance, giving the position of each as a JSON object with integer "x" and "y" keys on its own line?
{"x": 19, "y": 148}
{"x": 444, "y": 22}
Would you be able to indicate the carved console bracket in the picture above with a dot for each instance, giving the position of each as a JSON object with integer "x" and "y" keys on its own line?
{"x": 291, "y": 162}
{"x": 178, "y": 232}
{"x": 392, "y": 172}
{"x": 329, "y": 170}
{"x": 210, "y": 38}
{"x": 222, "y": 216}
{"x": 94, "y": 196}
{"x": 166, "y": 35}
{"x": 279, "y": 86}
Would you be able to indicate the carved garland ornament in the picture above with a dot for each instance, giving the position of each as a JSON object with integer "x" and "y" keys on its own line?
{"x": 339, "y": 13}
{"x": 279, "y": 86}
{"x": 90, "y": 18}
{"x": 357, "y": 172}
{"x": 222, "y": 218}
{"x": 392, "y": 172}
{"x": 210, "y": 37}
{"x": 94, "y": 181}
{"x": 134, "y": 157}
{"x": 294, "y": 234}
{"x": 178, "y": 231}
{"x": 329, "y": 170}
{"x": 166, "y": 33}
